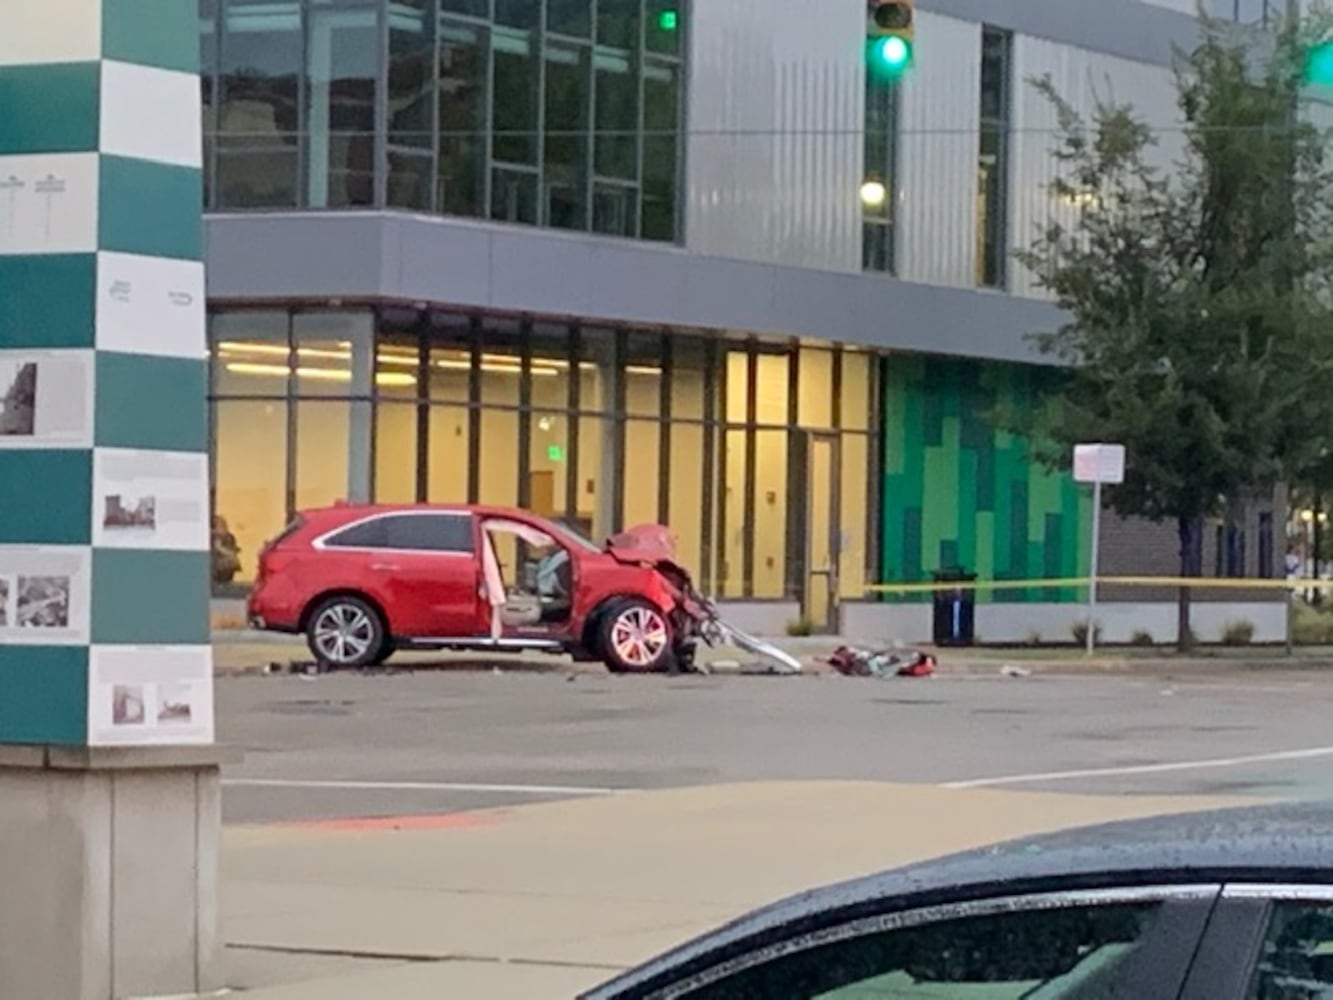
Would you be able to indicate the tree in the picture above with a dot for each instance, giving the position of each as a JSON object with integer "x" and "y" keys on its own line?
{"x": 1197, "y": 297}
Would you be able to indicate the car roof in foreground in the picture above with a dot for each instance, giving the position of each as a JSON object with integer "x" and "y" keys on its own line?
{"x": 1268, "y": 843}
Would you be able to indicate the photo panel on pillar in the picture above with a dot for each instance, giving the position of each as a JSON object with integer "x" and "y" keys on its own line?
{"x": 45, "y": 595}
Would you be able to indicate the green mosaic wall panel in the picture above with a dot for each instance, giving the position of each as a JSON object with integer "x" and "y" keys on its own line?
{"x": 958, "y": 491}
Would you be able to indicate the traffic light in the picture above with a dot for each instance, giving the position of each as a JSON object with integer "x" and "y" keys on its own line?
{"x": 890, "y": 29}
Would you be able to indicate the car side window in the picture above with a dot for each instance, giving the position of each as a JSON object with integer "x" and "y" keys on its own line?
{"x": 413, "y": 532}
{"x": 1082, "y": 952}
{"x": 1296, "y": 960}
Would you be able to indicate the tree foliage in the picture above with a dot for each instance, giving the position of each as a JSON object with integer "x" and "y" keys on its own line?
{"x": 1197, "y": 293}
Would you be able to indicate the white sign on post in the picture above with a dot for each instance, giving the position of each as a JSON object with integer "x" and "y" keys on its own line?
{"x": 1097, "y": 464}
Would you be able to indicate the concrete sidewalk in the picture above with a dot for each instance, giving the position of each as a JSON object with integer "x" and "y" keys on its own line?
{"x": 244, "y": 652}
{"x": 543, "y": 901}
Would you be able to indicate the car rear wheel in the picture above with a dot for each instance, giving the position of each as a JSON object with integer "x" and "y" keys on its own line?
{"x": 346, "y": 632}
{"x": 635, "y": 637}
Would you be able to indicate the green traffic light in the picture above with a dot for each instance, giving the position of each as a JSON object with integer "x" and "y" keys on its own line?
{"x": 1319, "y": 64}
{"x": 892, "y": 54}
{"x": 668, "y": 20}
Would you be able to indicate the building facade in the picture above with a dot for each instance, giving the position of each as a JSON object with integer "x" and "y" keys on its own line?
{"x": 658, "y": 260}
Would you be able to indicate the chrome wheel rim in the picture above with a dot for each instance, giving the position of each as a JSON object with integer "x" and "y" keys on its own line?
{"x": 343, "y": 633}
{"x": 639, "y": 636}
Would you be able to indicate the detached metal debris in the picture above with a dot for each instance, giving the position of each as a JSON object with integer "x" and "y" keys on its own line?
{"x": 853, "y": 662}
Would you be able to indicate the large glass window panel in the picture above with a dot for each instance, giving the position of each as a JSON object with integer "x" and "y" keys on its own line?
{"x": 498, "y": 482}
{"x": 473, "y": 8}
{"x": 660, "y": 152}
{"x": 548, "y": 460}
{"x": 395, "y": 453}
{"x": 881, "y": 140}
{"x": 689, "y": 362}
{"x": 614, "y": 209}
{"x": 333, "y": 353}
{"x": 450, "y": 356}
{"x": 738, "y": 392}
{"x": 592, "y": 499}
{"x": 665, "y": 22}
{"x": 516, "y": 99}
{"x": 410, "y": 181}
{"x": 643, "y": 446}
{"x": 446, "y": 469}
{"x": 411, "y": 76}
{"x": 463, "y": 71}
{"x": 501, "y": 365}
{"x": 208, "y": 67}
{"x": 643, "y": 374}
{"x": 770, "y": 514}
{"x": 617, "y": 117}
{"x": 994, "y": 75}
{"x": 323, "y": 440}
{"x": 569, "y": 17}
{"x": 524, "y": 14}
{"x": 853, "y": 555}
{"x": 731, "y": 570}
{"x": 550, "y": 366}
{"x": 514, "y": 195}
{"x": 857, "y": 372}
{"x": 815, "y": 393}
{"x": 251, "y": 463}
{"x": 397, "y": 365}
{"x": 568, "y": 90}
{"x": 618, "y": 23}
{"x": 258, "y": 118}
{"x": 772, "y": 389}
{"x": 687, "y": 482}
{"x": 250, "y": 353}
{"x": 992, "y": 166}
{"x": 341, "y": 72}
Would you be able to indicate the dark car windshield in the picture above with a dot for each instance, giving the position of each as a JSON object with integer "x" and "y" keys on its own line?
{"x": 571, "y": 534}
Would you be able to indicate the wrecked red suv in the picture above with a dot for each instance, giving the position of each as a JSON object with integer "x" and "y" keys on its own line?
{"x": 361, "y": 582}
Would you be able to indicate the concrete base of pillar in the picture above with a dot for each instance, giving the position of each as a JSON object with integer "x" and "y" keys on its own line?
{"x": 109, "y": 872}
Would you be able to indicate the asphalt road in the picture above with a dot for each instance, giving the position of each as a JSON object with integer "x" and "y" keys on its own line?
{"x": 364, "y": 746}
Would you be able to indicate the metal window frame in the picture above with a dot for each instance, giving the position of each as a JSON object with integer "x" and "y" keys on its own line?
{"x": 1001, "y": 127}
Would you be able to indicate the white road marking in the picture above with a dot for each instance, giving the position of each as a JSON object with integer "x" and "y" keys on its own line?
{"x": 1112, "y": 772}
{"x": 422, "y": 786}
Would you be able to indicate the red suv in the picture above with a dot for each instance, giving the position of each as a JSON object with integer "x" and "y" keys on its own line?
{"x": 363, "y": 581}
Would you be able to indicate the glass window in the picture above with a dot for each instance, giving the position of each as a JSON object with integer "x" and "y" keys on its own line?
{"x": 548, "y": 461}
{"x": 323, "y": 440}
{"x": 250, "y": 354}
{"x": 664, "y": 25}
{"x": 993, "y": 166}
{"x": 643, "y": 449}
{"x": 341, "y": 72}
{"x": 1005, "y": 956}
{"x": 410, "y": 181}
{"x": 853, "y": 553}
{"x": 689, "y": 381}
{"x": 770, "y": 514}
{"x": 549, "y": 367}
{"x": 447, "y": 465}
{"x": 592, "y": 503}
{"x": 208, "y": 67}
{"x": 516, "y": 101}
{"x": 501, "y": 364}
{"x": 569, "y": 17}
{"x": 618, "y": 23}
{"x": 1296, "y": 962}
{"x": 411, "y": 77}
{"x": 815, "y": 394}
{"x": 643, "y": 374}
{"x": 450, "y": 356}
{"x": 395, "y": 453}
{"x": 420, "y": 532}
{"x": 879, "y": 189}
{"x": 514, "y": 195}
{"x": 568, "y": 91}
{"x": 613, "y": 209}
{"x": 731, "y": 569}
{"x": 856, "y": 377}
{"x": 258, "y": 119}
{"x": 498, "y": 482}
{"x": 333, "y": 353}
{"x": 250, "y": 452}
{"x": 685, "y": 515}
{"x": 660, "y": 115}
{"x": 462, "y": 109}
{"x": 473, "y": 8}
{"x": 772, "y": 389}
{"x": 617, "y": 116}
{"x": 524, "y": 14}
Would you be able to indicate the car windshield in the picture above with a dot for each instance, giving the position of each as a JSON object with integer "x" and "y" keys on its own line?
{"x": 568, "y": 533}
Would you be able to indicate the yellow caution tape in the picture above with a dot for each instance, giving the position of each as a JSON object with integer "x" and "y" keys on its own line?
{"x": 1193, "y": 582}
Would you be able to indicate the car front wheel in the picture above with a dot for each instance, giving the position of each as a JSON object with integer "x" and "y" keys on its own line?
{"x": 634, "y": 637}
{"x": 345, "y": 632}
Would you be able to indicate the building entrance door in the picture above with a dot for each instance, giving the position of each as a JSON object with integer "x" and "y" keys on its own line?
{"x": 822, "y": 531}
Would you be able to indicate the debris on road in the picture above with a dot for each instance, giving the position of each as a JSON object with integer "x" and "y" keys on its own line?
{"x": 852, "y": 662}
{"x": 1009, "y": 670}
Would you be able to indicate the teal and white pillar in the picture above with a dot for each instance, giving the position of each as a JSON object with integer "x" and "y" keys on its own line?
{"x": 109, "y": 782}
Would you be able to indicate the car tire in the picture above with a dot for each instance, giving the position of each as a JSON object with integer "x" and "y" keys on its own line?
{"x": 387, "y": 649}
{"x": 346, "y": 633}
{"x": 634, "y": 636}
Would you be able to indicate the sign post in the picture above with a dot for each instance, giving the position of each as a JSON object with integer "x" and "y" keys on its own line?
{"x": 1097, "y": 464}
